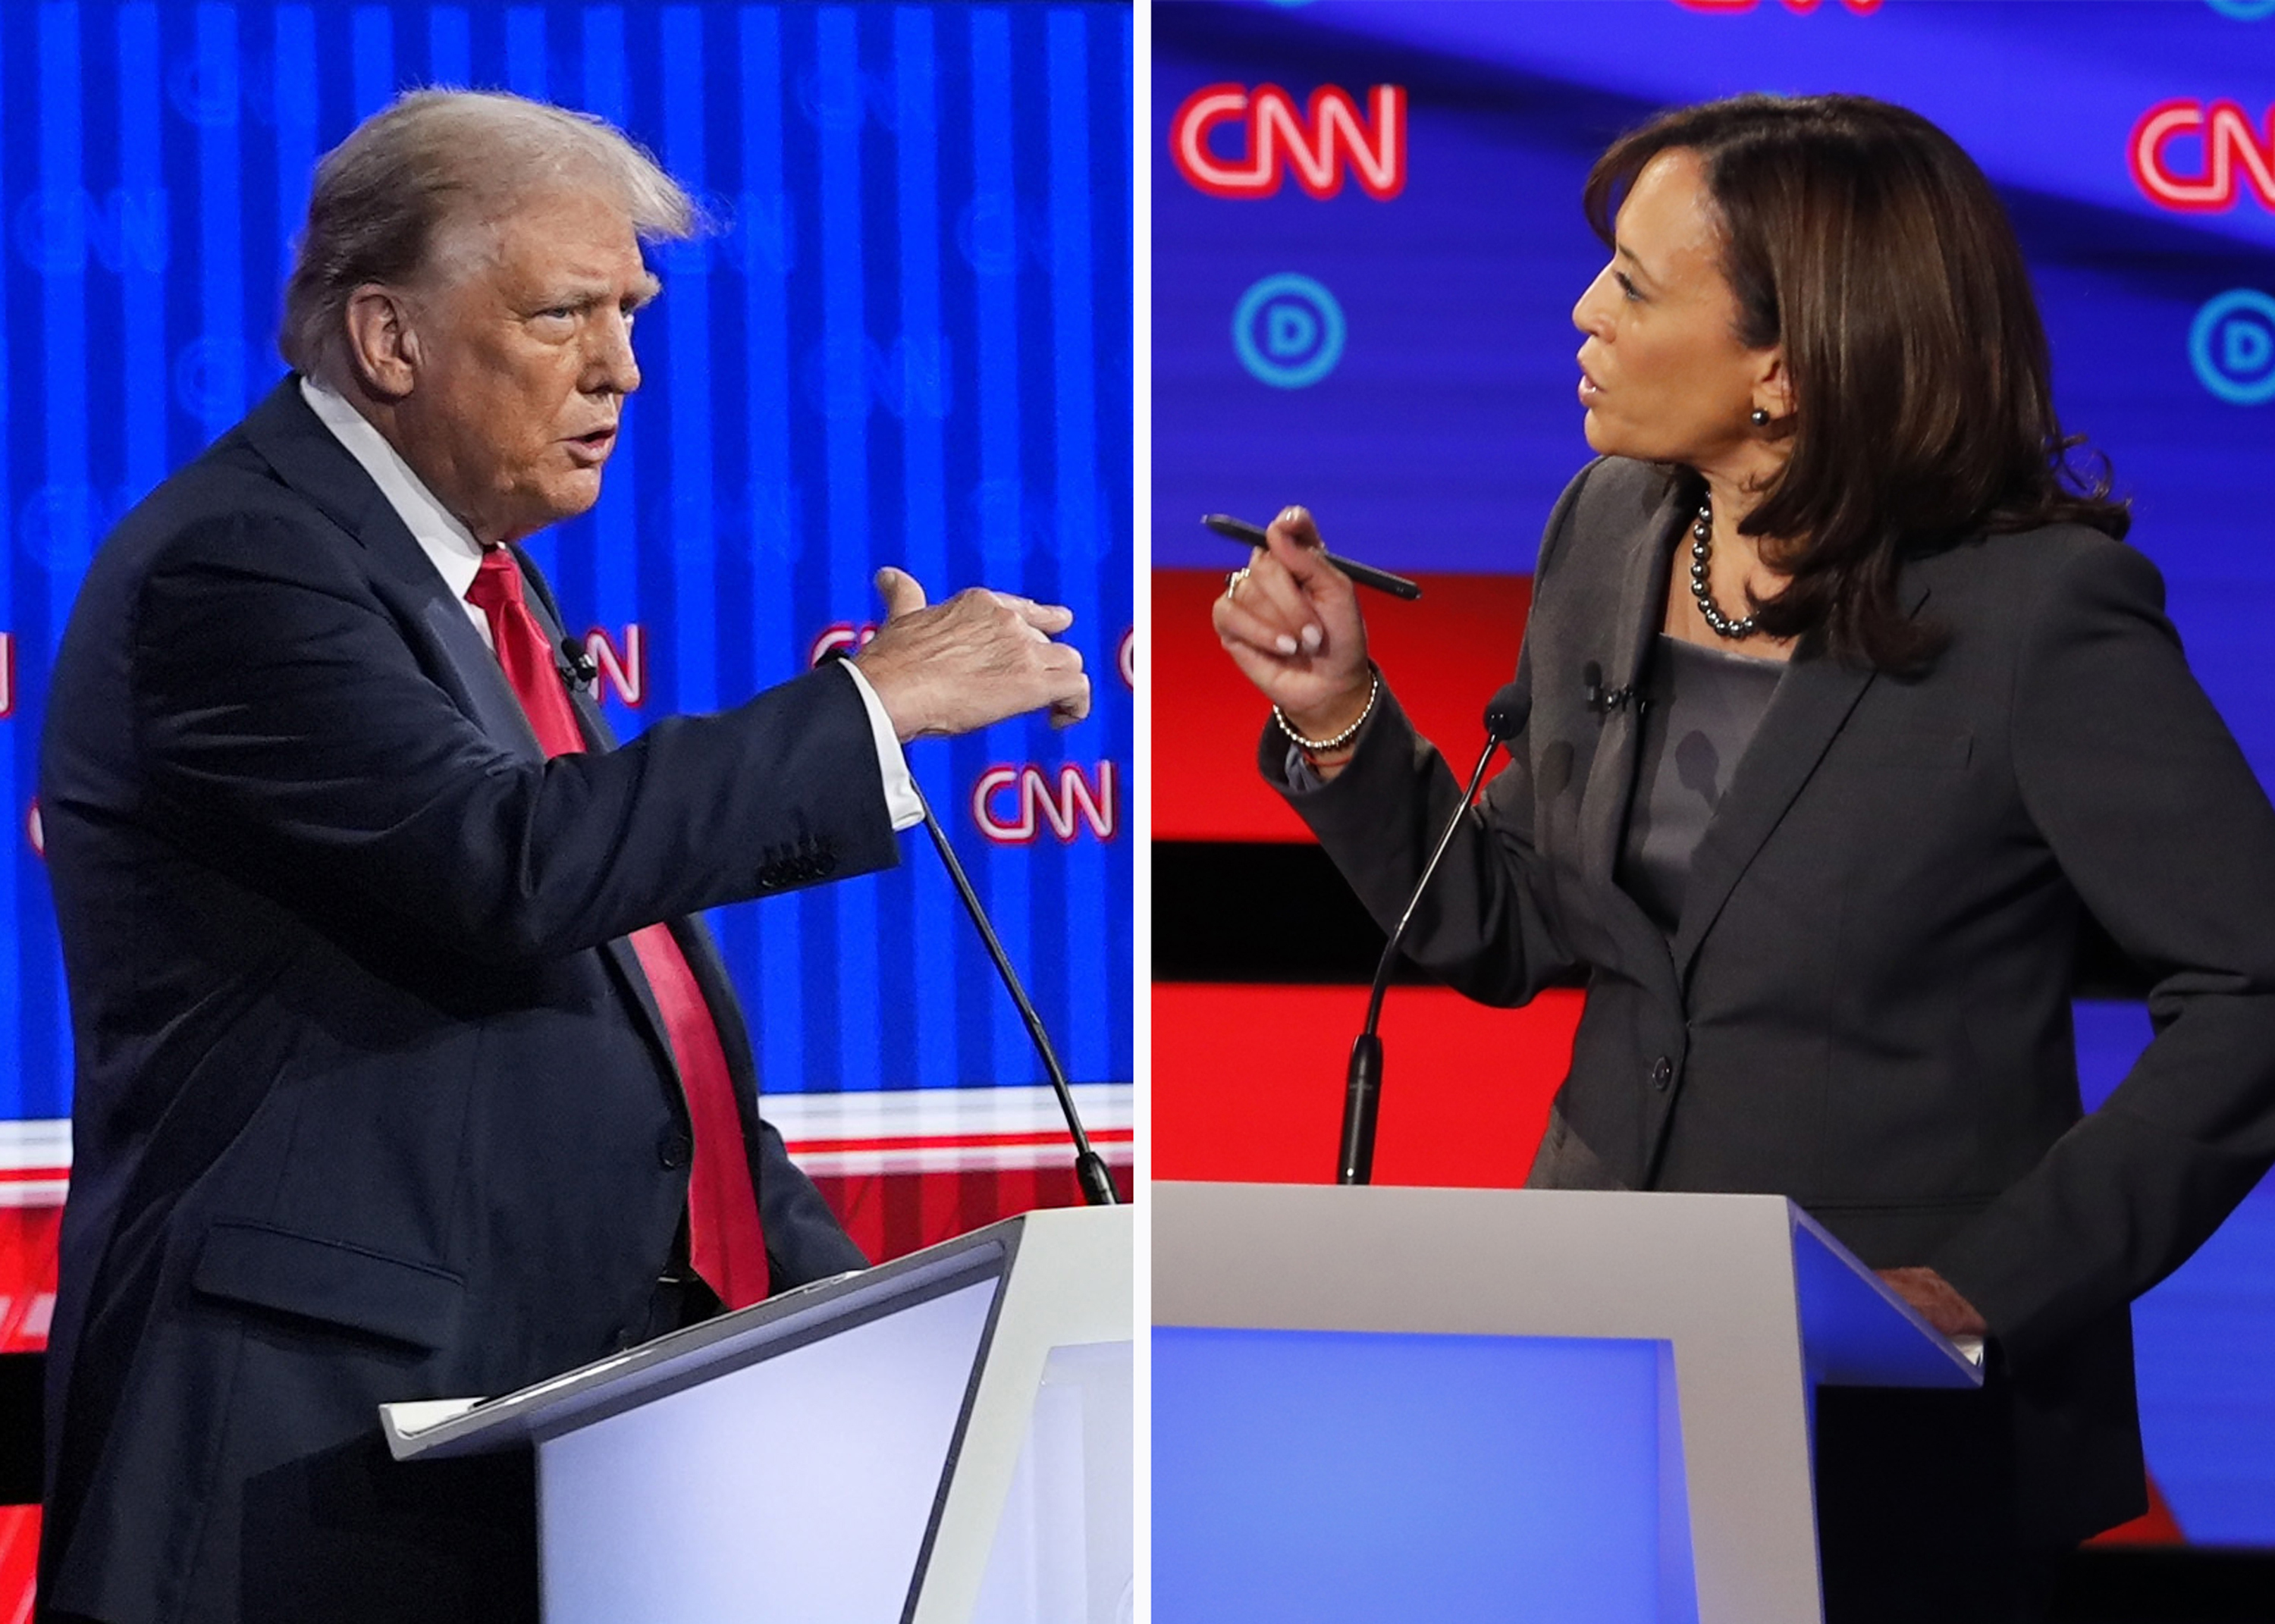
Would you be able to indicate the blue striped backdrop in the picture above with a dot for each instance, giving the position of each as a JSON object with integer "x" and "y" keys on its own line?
{"x": 909, "y": 343}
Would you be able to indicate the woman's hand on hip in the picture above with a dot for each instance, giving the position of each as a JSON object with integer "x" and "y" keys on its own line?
{"x": 1291, "y": 622}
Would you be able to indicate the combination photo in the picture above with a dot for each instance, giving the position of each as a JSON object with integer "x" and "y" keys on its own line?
{"x": 1074, "y": 811}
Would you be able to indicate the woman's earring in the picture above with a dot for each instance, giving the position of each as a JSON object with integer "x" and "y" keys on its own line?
{"x": 1761, "y": 417}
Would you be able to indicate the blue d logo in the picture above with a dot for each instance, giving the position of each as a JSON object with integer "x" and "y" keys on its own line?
{"x": 1288, "y": 331}
{"x": 2232, "y": 346}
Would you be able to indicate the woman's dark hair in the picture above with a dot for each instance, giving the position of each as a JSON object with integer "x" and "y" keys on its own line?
{"x": 1859, "y": 237}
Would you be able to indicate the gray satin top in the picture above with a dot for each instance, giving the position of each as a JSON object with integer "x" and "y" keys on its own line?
{"x": 1701, "y": 706}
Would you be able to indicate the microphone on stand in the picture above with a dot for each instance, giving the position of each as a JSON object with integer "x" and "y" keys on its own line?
{"x": 1089, "y": 1166}
{"x": 1505, "y": 718}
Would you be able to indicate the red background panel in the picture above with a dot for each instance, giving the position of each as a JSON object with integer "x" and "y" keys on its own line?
{"x": 1444, "y": 656}
{"x": 1248, "y": 1083}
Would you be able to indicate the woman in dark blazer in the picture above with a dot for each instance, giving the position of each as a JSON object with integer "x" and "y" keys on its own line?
{"x": 1849, "y": 705}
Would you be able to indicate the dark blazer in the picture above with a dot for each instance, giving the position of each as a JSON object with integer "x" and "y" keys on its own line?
{"x": 372, "y": 1101}
{"x": 1866, "y": 1004}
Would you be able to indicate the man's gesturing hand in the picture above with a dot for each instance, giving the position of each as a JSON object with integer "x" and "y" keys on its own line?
{"x": 975, "y": 660}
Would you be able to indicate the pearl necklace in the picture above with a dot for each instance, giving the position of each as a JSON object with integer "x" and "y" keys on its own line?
{"x": 1702, "y": 548}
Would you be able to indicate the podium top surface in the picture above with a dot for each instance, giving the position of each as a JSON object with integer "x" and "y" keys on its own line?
{"x": 442, "y": 1427}
{"x": 1668, "y": 1266}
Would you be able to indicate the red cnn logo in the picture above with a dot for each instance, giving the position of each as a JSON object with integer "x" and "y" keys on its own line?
{"x": 2229, "y": 142}
{"x": 1318, "y": 145}
{"x": 1077, "y": 800}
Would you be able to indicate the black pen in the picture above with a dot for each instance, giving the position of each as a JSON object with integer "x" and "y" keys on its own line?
{"x": 1364, "y": 575}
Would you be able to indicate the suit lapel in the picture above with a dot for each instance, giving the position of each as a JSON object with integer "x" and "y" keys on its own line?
{"x": 1813, "y": 699}
{"x": 1611, "y": 775}
{"x": 583, "y": 697}
{"x": 539, "y": 596}
{"x": 309, "y": 458}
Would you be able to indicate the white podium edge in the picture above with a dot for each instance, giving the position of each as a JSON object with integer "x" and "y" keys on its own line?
{"x": 1070, "y": 1284}
{"x": 438, "y": 1429}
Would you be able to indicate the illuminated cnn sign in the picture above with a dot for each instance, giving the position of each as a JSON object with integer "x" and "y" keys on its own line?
{"x": 1011, "y": 805}
{"x": 2229, "y": 148}
{"x": 621, "y": 666}
{"x": 7, "y": 674}
{"x": 1861, "y": 7}
{"x": 1318, "y": 145}
{"x": 840, "y": 634}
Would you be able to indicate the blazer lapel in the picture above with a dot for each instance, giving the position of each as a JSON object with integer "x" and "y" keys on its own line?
{"x": 583, "y": 697}
{"x": 1813, "y": 699}
{"x": 1611, "y": 775}
{"x": 308, "y": 457}
{"x": 598, "y": 737}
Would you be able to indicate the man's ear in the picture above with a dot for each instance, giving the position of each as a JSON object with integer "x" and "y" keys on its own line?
{"x": 382, "y": 348}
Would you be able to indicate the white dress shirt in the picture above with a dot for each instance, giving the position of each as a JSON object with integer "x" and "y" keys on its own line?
{"x": 451, "y": 547}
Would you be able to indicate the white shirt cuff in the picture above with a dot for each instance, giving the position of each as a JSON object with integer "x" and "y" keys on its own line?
{"x": 902, "y": 804}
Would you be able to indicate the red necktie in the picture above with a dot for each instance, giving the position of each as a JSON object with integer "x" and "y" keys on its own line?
{"x": 723, "y": 1239}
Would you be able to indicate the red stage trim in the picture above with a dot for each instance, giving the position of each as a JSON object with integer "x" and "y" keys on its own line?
{"x": 2156, "y": 1526}
{"x": 1046, "y": 1137}
{"x": 889, "y": 1215}
{"x": 19, "y": 1561}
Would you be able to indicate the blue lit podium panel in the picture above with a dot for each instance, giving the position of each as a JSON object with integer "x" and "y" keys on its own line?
{"x": 944, "y": 1439}
{"x": 1374, "y": 1403}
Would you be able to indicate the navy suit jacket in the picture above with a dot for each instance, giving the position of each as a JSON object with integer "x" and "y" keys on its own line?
{"x": 372, "y": 1101}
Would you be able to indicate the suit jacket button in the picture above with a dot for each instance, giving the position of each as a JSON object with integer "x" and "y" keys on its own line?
{"x": 1662, "y": 1073}
{"x": 675, "y": 1150}
{"x": 824, "y": 864}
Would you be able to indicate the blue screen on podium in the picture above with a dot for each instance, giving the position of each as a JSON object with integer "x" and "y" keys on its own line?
{"x": 1335, "y": 1476}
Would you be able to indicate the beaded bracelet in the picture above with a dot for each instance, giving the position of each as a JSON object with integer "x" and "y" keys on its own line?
{"x": 1322, "y": 746}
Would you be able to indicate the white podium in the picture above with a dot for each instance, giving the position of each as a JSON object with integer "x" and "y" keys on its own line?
{"x": 1393, "y": 1402}
{"x": 945, "y": 1438}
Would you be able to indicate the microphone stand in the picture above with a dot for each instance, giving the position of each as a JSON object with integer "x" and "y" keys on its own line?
{"x": 1362, "y": 1079}
{"x": 1089, "y": 1166}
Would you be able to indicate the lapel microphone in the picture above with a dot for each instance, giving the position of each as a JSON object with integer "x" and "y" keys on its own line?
{"x": 578, "y": 668}
{"x": 1602, "y": 702}
{"x": 1505, "y": 718}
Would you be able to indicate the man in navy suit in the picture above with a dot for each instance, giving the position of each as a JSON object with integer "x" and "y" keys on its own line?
{"x": 392, "y": 1022}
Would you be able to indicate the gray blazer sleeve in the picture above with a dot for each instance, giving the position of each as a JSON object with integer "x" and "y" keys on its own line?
{"x": 1487, "y": 926}
{"x": 2160, "y": 824}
